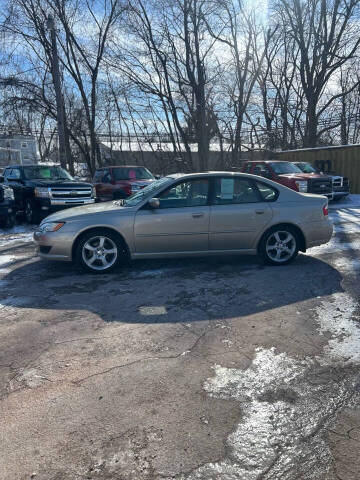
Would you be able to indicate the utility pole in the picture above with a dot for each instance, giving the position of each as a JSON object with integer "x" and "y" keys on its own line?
{"x": 59, "y": 98}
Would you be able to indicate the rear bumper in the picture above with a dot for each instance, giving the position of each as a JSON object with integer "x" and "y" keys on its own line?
{"x": 317, "y": 233}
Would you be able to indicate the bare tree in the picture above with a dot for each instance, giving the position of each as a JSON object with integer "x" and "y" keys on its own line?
{"x": 327, "y": 38}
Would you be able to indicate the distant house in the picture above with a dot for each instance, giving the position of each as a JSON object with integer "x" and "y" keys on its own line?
{"x": 17, "y": 148}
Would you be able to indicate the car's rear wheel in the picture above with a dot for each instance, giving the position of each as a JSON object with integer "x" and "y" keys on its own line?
{"x": 100, "y": 251}
{"x": 280, "y": 245}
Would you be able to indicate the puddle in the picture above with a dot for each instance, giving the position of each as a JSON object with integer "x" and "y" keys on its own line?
{"x": 283, "y": 416}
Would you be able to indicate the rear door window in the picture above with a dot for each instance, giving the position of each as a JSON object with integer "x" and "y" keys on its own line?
{"x": 234, "y": 190}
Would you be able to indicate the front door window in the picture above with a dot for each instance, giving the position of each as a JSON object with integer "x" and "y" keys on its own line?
{"x": 193, "y": 193}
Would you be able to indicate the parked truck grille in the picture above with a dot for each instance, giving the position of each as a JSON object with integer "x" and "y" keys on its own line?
{"x": 319, "y": 186}
{"x": 341, "y": 184}
{"x": 66, "y": 193}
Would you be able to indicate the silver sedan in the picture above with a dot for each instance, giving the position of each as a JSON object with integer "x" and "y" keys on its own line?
{"x": 201, "y": 214}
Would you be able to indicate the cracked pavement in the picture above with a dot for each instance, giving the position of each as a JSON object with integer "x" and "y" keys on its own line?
{"x": 182, "y": 369}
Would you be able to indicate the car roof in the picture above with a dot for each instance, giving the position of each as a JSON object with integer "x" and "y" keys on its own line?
{"x": 32, "y": 165}
{"x": 209, "y": 174}
{"x": 267, "y": 161}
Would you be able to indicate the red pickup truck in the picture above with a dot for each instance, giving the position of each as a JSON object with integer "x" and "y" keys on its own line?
{"x": 291, "y": 176}
{"x": 113, "y": 183}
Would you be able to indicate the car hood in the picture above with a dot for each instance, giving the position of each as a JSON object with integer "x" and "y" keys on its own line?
{"x": 93, "y": 209}
{"x": 304, "y": 176}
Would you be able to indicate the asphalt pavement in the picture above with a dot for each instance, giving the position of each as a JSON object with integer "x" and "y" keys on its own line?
{"x": 218, "y": 368}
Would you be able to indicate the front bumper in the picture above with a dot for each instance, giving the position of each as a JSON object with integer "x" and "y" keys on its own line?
{"x": 339, "y": 193}
{"x": 54, "y": 245}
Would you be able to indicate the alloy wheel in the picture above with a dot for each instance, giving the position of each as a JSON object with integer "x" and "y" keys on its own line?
{"x": 99, "y": 252}
{"x": 280, "y": 246}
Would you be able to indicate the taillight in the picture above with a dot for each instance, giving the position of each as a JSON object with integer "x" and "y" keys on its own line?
{"x": 325, "y": 210}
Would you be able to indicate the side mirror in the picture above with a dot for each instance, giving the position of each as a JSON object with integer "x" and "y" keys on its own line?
{"x": 2, "y": 179}
{"x": 157, "y": 177}
{"x": 154, "y": 203}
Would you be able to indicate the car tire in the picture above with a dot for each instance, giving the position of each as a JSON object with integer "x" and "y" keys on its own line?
{"x": 10, "y": 221}
{"x": 30, "y": 213}
{"x": 280, "y": 245}
{"x": 100, "y": 251}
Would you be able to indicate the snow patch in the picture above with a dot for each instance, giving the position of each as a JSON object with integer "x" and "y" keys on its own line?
{"x": 30, "y": 378}
{"x": 19, "y": 233}
{"x": 5, "y": 262}
{"x": 336, "y": 317}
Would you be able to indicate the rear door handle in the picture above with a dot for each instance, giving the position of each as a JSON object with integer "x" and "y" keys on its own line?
{"x": 259, "y": 212}
{"x": 197, "y": 215}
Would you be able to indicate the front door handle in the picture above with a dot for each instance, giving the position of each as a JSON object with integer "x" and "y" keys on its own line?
{"x": 197, "y": 215}
{"x": 259, "y": 212}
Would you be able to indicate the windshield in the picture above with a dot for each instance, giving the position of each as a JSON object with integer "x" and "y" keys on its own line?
{"x": 146, "y": 192}
{"x": 306, "y": 167}
{"x": 284, "y": 167}
{"x": 132, "y": 173}
{"x": 39, "y": 172}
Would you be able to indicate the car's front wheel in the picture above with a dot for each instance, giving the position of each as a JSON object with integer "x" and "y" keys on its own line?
{"x": 280, "y": 245}
{"x": 100, "y": 251}
{"x": 9, "y": 221}
{"x": 31, "y": 213}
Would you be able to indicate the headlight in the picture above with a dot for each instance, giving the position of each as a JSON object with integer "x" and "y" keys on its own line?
{"x": 42, "y": 192}
{"x": 93, "y": 192}
{"x": 50, "y": 226}
{"x": 8, "y": 193}
{"x": 302, "y": 185}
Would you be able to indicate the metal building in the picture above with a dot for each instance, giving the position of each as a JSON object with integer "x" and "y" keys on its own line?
{"x": 343, "y": 160}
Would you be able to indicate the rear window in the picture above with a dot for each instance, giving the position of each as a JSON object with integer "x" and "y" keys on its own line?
{"x": 268, "y": 194}
{"x": 132, "y": 173}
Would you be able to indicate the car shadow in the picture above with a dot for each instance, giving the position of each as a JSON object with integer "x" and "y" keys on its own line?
{"x": 170, "y": 290}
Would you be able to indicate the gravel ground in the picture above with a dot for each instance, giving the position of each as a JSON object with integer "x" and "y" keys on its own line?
{"x": 182, "y": 369}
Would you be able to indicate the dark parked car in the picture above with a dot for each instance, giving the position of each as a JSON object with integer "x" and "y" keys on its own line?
{"x": 113, "y": 183}
{"x": 42, "y": 189}
{"x": 341, "y": 185}
{"x": 7, "y": 205}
